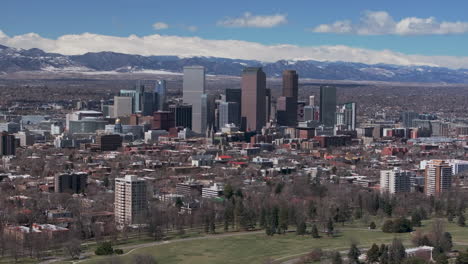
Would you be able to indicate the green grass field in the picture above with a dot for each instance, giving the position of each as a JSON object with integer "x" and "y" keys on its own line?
{"x": 256, "y": 248}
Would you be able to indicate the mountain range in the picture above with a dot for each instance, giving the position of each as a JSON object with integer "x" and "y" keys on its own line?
{"x": 22, "y": 60}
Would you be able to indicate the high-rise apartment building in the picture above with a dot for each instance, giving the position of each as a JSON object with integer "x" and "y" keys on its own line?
{"x": 193, "y": 89}
{"x": 7, "y": 144}
{"x": 327, "y": 105}
{"x": 395, "y": 181}
{"x": 253, "y": 99}
{"x": 438, "y": 177}
{"x": 130, "y": 200}
{"x": 71, "y": 182}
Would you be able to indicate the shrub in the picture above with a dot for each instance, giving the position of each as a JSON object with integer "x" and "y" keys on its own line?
{"x": 104, "y": 248}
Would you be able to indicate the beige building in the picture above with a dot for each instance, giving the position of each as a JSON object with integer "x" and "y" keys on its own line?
{"x": 438, "y": 178}
{"x": 130, "y": 200}
{"x": 122, "y": 106}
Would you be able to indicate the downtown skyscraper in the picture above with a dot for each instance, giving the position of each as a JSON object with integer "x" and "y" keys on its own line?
{"x": 287, "y": 104}
{"x": 193, "y": 89}
{"x": 253, "y": 99}
{"x": 327, "y": 105}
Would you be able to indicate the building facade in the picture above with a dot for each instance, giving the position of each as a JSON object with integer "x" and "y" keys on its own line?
{"x": 438, "y": 177}
{"x": 395, "y": 181}
{"x": 327, "y": 105}
{"x": 253, "y": 99}
{"x": 193, "y": 89}
{"x": 130, "y": 200}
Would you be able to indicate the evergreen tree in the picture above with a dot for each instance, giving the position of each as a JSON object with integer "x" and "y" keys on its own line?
{"x": 372, "y": 225}
{"x": 228, "y": 191}
{"x": 354, "y": 253}
{"x": 396, "y": 252}
{"x": 314, "y": 232}
{"x": 446, "y": 242}
{"x": 461, "y": 220}
{"x": 384, "y": 258}
{"x": 330, "y": 227}
{"x": 263, "y": 218}
{"x": 416, "y": 219}
{"x": 301, "y": 228}
{"x": 373, "y": 254}
{"x": 283, "y": 220}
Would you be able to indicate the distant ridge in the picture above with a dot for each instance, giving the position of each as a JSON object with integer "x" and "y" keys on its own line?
{"x": 15, "y": 60}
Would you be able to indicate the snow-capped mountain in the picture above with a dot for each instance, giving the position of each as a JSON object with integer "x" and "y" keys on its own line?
{"x": 14, "y": 60}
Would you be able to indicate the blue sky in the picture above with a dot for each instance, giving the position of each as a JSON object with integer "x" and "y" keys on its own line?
{"x": 55, "y": 18}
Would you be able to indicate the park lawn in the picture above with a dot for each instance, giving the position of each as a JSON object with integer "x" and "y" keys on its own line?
{"x": 255, "y": 248}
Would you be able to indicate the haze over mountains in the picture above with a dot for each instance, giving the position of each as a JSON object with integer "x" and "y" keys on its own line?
{"x": 20, "y": 60}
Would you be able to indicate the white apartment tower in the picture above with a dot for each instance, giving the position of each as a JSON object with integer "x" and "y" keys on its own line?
{"x": 395, "y": 181}
{"x": 130, "y": 200}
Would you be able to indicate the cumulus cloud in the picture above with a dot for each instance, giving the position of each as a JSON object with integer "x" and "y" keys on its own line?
{"x": 235, "y": 49}
{"x": 254, "y": 21}
{"x": 160, "y": 26}
{"x": 382, "y": 23}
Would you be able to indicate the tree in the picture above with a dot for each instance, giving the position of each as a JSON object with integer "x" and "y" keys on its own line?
{"x": 388, "y": 226}
{"x": 396, "y": 252}
{"x": 179, "y": 203}
{"x": 330, "y": 227}
{"x": 416, "y": 218}
{"x": 373, "y": 254}
{"x": 283, "y": 220}
{"x": 73, "y": 247}
{"x": 105, "y": 248}
{"x": 461, "y": 220}
{"x": 314, "y": 232}
{"x": 446, "y": 242}
{"x": 301, "y": 228}
{"x": 354, "y": 253}
{"x": 336, "y": 258}
{"x": 372, "y": 225}
{"x": 228, "y": 191}
{"x": 262, "y": 218}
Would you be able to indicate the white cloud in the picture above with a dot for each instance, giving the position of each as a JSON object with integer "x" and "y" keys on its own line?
{"x": 381, "y": 23}
{"x": 254, "y": 21}
{"x": 236, "y": 49}
{"x": 160, "y": 26}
